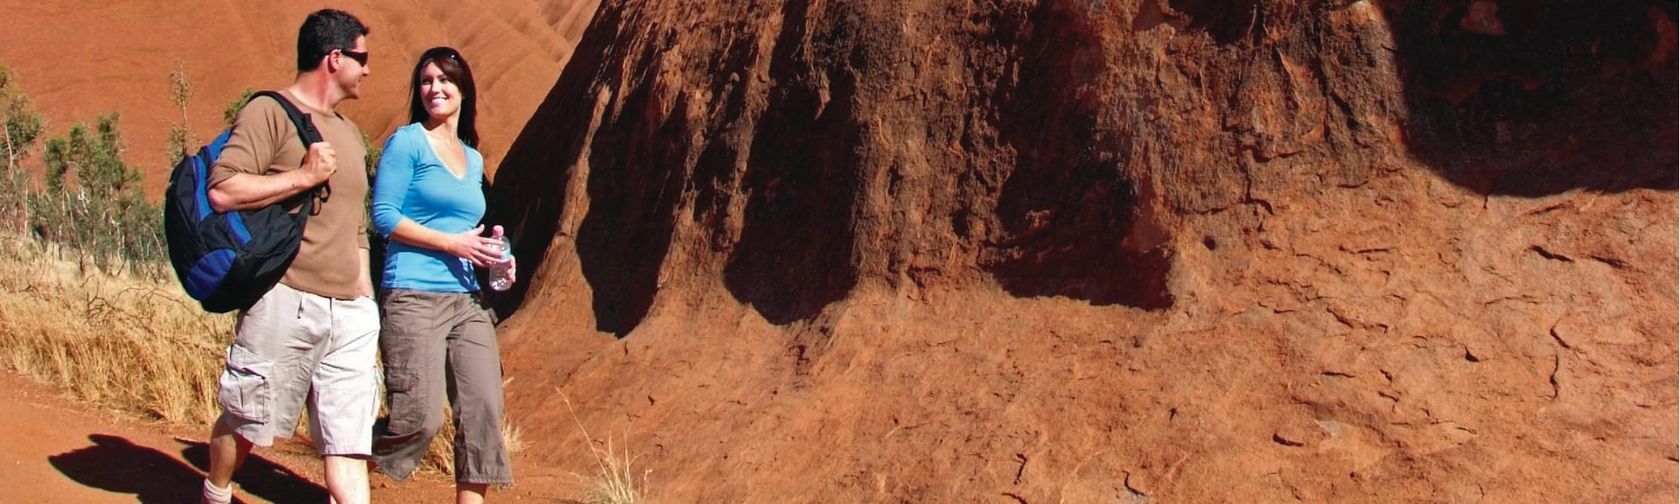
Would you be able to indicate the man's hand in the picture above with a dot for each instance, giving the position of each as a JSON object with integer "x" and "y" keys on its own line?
{"x": 319, "y": 164}
{"x": 364, "y": 282}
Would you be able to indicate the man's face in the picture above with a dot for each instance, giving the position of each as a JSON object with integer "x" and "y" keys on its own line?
{"x": 350, "y": 66}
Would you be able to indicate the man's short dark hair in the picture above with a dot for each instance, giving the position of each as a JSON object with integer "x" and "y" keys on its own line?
{"x": 323, "y": 31}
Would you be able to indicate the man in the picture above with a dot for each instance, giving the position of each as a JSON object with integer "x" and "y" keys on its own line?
{"x": 317, "y": 330}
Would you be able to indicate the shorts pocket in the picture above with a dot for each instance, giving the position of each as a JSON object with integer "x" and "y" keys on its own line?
{"x": 246, "y": 387}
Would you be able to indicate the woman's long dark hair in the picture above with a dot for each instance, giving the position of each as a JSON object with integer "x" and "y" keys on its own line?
{"x": 455, "y": 67}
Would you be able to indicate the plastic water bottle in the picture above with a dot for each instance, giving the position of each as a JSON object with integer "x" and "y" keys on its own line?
{"x": 501, "y": 272}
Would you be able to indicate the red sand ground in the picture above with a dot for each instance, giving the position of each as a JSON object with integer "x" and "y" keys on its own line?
{"x": 54, "y": 451}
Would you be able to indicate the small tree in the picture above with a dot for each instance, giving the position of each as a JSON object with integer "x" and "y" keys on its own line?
{"x": 21, "y": 126}
{"x": 180, "y": 134}
{"x": 94, "y": 158}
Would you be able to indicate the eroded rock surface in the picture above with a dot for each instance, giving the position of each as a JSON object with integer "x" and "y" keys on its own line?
{"x": 1106, "y": 251}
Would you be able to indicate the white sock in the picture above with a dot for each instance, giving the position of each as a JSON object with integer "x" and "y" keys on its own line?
{"x": 213, "y": 495}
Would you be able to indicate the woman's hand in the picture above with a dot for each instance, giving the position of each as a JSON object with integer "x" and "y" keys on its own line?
{"x": 479, "y": 250}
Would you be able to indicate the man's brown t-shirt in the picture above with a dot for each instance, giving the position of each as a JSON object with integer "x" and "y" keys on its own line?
{"x": 265, "y": 142}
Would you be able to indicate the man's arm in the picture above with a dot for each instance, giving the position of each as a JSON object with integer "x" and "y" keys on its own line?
{"x": 246, "y": 191}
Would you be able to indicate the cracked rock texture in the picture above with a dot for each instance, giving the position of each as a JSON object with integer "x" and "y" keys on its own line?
{"x": 1105, "y": 251}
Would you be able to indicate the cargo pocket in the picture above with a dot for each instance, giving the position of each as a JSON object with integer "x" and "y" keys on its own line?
{"x": 246, "y": 389}
{"x": 398, "y": 380}
{"x": 406, "y": 409}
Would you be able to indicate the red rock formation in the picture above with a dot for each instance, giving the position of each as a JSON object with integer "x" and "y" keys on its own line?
{"x": 1106, "y": 250}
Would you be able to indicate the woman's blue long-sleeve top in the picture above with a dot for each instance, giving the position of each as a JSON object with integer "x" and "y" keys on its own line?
{"x": 412, "y": 182}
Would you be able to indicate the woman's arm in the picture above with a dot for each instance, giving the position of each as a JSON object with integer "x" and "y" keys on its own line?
{"x": 480, "y": 250}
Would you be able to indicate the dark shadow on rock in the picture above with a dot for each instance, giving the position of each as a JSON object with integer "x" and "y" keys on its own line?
{"x": 635, "y": 182}
{"x": 114, "y": 464}
{"x": 1066, "y": 208}
{"x": 796, "y": 232}
{"x": 528, "y": 195}
{"x": 796, "y": 248}
{"x": 1227, "y": 21}
{"x": 1573, "y": 93}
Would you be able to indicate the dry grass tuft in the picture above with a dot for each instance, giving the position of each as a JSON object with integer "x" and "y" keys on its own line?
{"x": 111, "y": 339}
{"x": 614, "y": 481}
{"x": 512, "y": 437}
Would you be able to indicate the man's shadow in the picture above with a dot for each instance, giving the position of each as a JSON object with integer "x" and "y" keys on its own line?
{"x": 115, "y": 464}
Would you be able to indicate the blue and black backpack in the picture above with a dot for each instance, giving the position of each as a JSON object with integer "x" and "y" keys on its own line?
{"x": 227, "y": 261}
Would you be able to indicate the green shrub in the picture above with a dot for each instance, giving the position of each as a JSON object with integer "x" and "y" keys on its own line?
{"x": 231, "y": 112}
{"x": 94, "y": 203}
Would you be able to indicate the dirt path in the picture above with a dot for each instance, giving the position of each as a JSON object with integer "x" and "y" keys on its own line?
{"x": 53, "y": 450}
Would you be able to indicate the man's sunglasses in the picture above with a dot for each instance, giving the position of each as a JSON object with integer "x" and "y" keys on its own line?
{"x": 360, "y": 56}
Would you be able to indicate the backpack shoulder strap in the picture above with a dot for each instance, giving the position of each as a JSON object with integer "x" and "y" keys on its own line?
{"x": 309, "y": 135}
{"x": 304, "y": 124}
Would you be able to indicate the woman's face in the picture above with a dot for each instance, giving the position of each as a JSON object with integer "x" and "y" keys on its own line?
{"x": 440, "y": 95}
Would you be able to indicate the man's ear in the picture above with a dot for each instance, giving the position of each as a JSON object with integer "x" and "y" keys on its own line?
{"x": 333, "y": 63}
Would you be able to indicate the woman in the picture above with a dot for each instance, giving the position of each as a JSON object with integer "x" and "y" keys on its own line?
{"x": 438, "y": 339}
